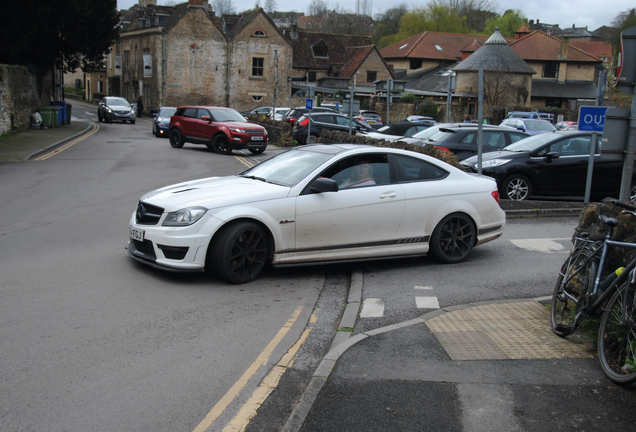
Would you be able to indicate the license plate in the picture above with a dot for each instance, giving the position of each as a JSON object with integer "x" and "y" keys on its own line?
{"x": 371, "y": 122}
{"x": 136, "y": 234}
{"x": 257, "y": 138}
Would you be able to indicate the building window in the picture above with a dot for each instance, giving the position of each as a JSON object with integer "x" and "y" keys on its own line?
{"x": 553, "y": 103}
{"x": 311, "y": 77}
{"x": 416, "y": 64}
{"x": 257, "y": 98}
{"x": 371, "y": 76}
{"x": 320, "y": 50}
{"x": 100, "y": 87}
{"x": 550, "y": 70}
{"x": 259, "y": 33}
{"x": 257, "y": 66}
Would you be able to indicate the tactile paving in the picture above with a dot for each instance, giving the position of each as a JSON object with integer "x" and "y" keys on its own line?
{"x": 518, "y": 330}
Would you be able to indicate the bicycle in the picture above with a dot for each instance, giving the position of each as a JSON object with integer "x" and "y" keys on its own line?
{"x": 583, "y": 289}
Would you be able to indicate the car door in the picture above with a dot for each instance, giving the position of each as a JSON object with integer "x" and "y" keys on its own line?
{"x": 189, "y": 123}
{"x": 320, "y": 122}
{"x": 356, "y": 217}
{"x": 565, "y": 175}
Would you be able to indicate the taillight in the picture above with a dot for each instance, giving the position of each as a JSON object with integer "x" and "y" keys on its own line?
{"x": 495, "y": 195}
{"x": 380, "y": 119}
{"x": 291, "y": 120}
{"x": 442, "y": 148}
{"x": 304, "y": 122}
{"x": 361, "y": 118}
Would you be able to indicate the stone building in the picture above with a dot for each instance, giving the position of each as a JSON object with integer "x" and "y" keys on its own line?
{"x": 186, "y": 55}
{"x": 507, "y": 78}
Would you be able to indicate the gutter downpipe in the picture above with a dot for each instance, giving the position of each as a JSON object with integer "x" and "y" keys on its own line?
{"x": 163, "y": 67}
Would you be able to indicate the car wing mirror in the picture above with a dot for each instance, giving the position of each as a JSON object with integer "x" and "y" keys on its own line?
{"x": 154, "y": 115}
{"x": 553, "y": 155}
{"x": 324, "y": 184}
{"x": 206, "y": 118}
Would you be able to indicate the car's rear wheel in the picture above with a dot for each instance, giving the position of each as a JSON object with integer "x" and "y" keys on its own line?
{"x": 176, "y": 140}
{"x": 221, "y": 144}
{"x": 453, "y": 238}
{"x": 312, "y": 139}
{"x": 257, "y": 150}
{"x": 517, "y": 187}
{"x": 239, "y": 252}
{"x": 632, "y": 192}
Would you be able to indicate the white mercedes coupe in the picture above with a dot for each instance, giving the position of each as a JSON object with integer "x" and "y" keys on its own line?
{"x": 317, "y": 204}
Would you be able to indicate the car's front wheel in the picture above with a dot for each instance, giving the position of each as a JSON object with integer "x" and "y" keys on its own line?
{"x": 517, "y": 187}
{"x": 176, "y": 140}
{"x": 453, "y": 238}
{"x": 239, "y": 252}
{"x": 99, "y": 117}
{"x": 221, "y": 144}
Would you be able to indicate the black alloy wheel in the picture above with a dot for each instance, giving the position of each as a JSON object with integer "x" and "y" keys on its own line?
{"x": 221, "y": 144}
{"x": 453, "y": 238}
{"x": 176, "y": 140}
{"x": 239, "y": 252}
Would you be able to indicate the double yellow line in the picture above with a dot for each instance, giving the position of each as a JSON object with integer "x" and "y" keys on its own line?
{"x": 95, "y": 128}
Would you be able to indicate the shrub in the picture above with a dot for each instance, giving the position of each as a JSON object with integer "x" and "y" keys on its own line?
{"x": 428, "y": 108}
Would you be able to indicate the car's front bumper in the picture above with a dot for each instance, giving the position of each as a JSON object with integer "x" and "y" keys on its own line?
{"x": 119, "y": 116}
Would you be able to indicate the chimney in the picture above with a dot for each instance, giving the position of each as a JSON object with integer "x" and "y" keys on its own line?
{"x": 199, "y": 3}
{"x": 565, "y": 46}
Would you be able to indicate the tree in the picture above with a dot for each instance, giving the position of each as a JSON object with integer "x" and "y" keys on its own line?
{"x": 270, "y": 6}
{"x": 224, "y": 7}
{"x": 622, "y": 22}
{"x": 476, "y": 12}
{"x": 508, "y": 24}
{"x": 388, "y": 23}
{"x": 64, "y": 34}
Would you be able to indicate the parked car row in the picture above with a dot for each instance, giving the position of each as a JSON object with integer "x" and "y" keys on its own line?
{"x": 308, "y": 128}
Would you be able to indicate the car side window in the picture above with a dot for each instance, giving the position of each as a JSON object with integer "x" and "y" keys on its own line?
{"x": 322, "y": 118}
{"x": 360, "y": 171}
{"x": 190, "y": 112}
{"x": 514, "y": 137}
{"x": 411, "y": 169}
{"x": 201, "y": 113}
{"x": 342, "y": 121}
{"x": 468, "y": 138}
{"x": 493, "y": 140}
{"x": 579, "y": 146}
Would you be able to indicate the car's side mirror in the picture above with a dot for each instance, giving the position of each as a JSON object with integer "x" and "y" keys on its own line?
{"x": 521, "y": 128}
{"x": 154, "y": 115}
{"x": 206, "y": 118}
{"x": 323, "y": 184}
{"x": 553, "y": 155}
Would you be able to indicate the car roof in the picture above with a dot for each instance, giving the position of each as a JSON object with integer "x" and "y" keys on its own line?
{"x": 205, "y": 107}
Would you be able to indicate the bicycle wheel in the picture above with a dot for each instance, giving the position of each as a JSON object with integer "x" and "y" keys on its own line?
{"x": 617, "y": 336}
{"x": 575, "y": 278}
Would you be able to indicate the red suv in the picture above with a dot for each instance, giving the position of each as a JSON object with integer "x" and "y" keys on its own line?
{"x": 221, "y": 129}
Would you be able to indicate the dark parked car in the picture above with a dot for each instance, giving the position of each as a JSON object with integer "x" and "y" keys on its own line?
{"x": 161, "y": 121}
{"x": 294, "y": 114}
{"x": 219, "y": 128}
{"x": 372, "y": 117}
{"x": 264, "y": 110}
{"x": 530, "y": 126}
{"x": 115, "y": 109}
{"x": 319, "y": 121}
{"x": 551, "y": 164}
{"x": 462, "y": 140}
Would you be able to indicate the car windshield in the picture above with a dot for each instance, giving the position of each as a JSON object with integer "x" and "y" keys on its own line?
{"x": 167, "y": 112}
{"x": 531, "y": 143}
{"x": 223, "y": 115}
{"x": 120, "y": 102}
{"x": 539, "y": 125}
{"x": 288, "y": 168}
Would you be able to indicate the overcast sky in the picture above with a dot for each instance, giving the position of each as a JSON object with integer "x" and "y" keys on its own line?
{"x": 590, "y": 13}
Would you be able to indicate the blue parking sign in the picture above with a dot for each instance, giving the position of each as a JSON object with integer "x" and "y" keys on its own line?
{"x": 309, "y": 103}
{"x": 592, "y": 118}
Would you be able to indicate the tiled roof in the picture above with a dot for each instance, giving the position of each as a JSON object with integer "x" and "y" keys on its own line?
{"x": 497, "y": 56}
{"x": 540, "y": 46}
{"x": 597, "y": 49}
{"x": 355, "y": 56}
{"x": 425, "y": 46}
{"x": 563, "y": 90}
{"x": 336, "y": 49}
{"x": 474, "y": 46}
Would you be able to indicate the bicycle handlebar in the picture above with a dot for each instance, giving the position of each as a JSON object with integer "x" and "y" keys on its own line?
{"x": 623, "y": 204}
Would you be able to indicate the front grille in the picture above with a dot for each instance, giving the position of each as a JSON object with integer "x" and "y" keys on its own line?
{"x": 143, "y": 249}
{"x": 173, "y": 252}
{"x": 254, "y": 131}
{"x": 148, "y": 214}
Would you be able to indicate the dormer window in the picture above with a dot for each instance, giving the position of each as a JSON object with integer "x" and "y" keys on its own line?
{"x": 320, "y": 50}
{"x": 259, "y": 33}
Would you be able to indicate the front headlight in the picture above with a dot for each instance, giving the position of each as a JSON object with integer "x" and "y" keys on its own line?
{"x": 237, "y": 130}
{"x": 494, "y": 163}
{"x": 184, "y": 217}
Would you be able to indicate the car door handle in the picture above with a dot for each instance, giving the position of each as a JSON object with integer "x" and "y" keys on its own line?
{"x": 388, "y": 195}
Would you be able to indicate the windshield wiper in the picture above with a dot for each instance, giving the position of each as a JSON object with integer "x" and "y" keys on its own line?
{"x": 254, "y": 178}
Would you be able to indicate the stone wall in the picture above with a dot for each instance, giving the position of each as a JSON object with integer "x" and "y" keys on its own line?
{"x": 21, "y": 94}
